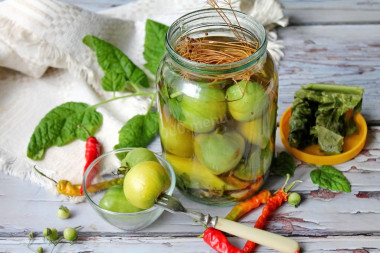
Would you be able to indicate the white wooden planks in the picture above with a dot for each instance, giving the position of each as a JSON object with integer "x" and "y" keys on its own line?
{"x": 299, "y": 11}
{"x": 338, "y": 54}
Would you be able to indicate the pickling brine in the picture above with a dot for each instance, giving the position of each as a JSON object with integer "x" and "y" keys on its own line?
{"x": 217, "y": 99}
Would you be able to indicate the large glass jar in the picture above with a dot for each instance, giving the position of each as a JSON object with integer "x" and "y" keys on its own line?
{"x": 217, "y": 121}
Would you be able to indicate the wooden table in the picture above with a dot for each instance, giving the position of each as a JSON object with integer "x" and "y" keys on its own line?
{"x": 330, "y": 41}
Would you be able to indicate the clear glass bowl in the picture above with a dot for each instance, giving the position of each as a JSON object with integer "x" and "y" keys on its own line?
{"x": 108, "y": 165}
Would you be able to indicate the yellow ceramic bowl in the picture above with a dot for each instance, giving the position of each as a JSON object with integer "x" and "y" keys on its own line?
{"x": 352, "y": 146}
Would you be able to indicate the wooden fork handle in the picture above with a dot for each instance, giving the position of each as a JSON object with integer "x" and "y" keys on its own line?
{"x": 259, "y": 236}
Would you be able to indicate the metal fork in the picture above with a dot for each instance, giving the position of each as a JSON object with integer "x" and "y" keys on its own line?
{"x": 262, "y": 237}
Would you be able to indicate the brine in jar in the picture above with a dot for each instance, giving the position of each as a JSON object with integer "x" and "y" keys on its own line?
{"x": 217, "y": 111}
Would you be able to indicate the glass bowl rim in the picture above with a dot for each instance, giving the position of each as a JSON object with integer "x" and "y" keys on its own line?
{"x": 169, "y": 191}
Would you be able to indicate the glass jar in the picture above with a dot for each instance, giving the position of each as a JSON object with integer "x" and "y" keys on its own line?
{"x": 217, "y": 121}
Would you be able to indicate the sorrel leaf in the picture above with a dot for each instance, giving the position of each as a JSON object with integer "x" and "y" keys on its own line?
{"x": 118, "y": 68}
{"x": 154, "y": 46}
{"x": 60, "y": 126}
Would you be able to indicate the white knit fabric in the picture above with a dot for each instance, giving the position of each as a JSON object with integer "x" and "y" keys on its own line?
{"x": 38, "y": 34}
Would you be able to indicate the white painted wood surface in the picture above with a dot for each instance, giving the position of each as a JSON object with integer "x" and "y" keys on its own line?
{"x": 329, "y": 41}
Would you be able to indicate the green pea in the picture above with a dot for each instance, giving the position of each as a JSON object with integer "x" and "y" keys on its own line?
{"x": 50, "y": 234}
{"x": 63, "y": 212}
{"x": 70, "y": 234}
{"x": 294, "y": 199}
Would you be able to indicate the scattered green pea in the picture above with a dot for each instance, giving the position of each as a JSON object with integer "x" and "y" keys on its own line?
{"x": 294, "y": 199}
{"x": 40, "y": 250}
{"x": 70, "y": 234}
{"x": 63, "y": 212}
{"x": 50, "y": 234}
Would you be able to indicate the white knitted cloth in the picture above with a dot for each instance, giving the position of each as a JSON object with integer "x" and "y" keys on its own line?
{"x": 37, "y": 34}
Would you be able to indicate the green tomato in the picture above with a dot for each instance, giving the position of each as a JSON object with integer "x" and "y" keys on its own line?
{"x": 220, "y": 152}
{"x": 70, "y": 234}
{"x": 114, "y": 200}
{"x": 251, "y": 104}
{"x": 144, "y": 183}
{"x": 256, "y": 131}
{"x": 63, "y": 212}
{"x": 294, "y": 199}
{"x": 252, "y": 169}
{"x": 40, "y": 250}
{"x": 201, "y": 113}
{"x": 257, "y": 165}
{"x": 137, "y": 156}
{"x": 50, "y": 234}
{"x": 175, "y": 138}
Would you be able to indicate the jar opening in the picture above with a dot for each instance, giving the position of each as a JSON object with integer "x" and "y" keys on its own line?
{"x": 208, "y": 23}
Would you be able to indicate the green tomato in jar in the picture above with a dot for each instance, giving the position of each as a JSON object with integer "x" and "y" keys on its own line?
{"x": 144, "y": 183}
{"x": 137, "y": 156}
{"x": 257, "y": 165}
{"x": 247, "y": 100}
{"x": 256, "y": 131}
{"x": 220, "y": 152}
{"x": 175, "y": 138}
{"x": 252, "y": 168}
{"x": 114, "y": 200}
{"x": 201, "y": 113}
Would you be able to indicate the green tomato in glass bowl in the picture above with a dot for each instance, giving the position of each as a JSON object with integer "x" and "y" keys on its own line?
{"x": 137, "y": 156}
{"x": 114, "y": 200}
{"x": 144, "y": 183}
{"x": 218, "y": 151}
{"x": 247, "y": 100}
{"x": 201, "y": 113}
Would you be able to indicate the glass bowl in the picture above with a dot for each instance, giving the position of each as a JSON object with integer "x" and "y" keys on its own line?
{"x": 107, "y": 165}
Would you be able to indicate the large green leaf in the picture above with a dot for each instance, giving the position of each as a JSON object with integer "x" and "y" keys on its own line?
{"x": 117, "y": 67}
{"x": 138, "y": 131}
{"x": 60, "y": 126}
{"x": 154, "y": 46}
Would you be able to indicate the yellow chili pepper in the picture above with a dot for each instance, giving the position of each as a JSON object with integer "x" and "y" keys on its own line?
{"x": 65, "y": 187}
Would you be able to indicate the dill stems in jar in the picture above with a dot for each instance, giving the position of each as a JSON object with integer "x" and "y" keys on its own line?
{"x": 217, "y": 101}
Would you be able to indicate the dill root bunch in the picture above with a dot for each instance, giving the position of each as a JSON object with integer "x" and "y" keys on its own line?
{"x": 218, "y": 49}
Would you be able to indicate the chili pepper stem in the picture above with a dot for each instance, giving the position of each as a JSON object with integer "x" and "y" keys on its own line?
{"x": 42, "y": 174}
{"x": 287, "y": 189}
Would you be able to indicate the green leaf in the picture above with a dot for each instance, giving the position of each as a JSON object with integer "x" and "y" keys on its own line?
{"x": 113, "y": 81}
{"x": 321, "y": 112}
{"x": 138, "y": 131}
{"x": 328, "y": 141}
{"x": 283, "y": 164}
{"x": 154, "y": 46}
{"x": 330, "y": 178}
{"x": 117, "y": 67}
{"x": 60, "y": 126}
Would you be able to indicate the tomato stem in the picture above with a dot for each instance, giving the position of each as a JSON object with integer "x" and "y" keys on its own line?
{"x": 138, "y": 93}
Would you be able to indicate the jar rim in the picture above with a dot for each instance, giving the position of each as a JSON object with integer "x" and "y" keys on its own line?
{"x": 216, "y": 68}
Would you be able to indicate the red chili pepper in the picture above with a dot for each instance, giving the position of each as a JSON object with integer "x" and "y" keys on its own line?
{"x": 92, "y": 152}
{"x": 219, "y": 242}
{"x": 244, "y": 207}
{"x": 273, "y": 203}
